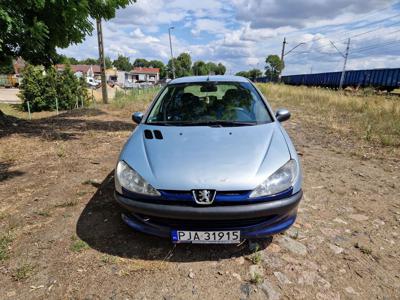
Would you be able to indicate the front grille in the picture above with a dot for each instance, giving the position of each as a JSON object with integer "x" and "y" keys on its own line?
{"x": 205, "y": 224}
{"x": 222, "y": 198}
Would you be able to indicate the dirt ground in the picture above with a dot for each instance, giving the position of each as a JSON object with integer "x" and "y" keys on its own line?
{"x": 62, "y": 236}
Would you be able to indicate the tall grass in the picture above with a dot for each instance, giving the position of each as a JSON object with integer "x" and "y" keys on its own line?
{"x": 134, "y": 99}
{"x": 375, "y": 118}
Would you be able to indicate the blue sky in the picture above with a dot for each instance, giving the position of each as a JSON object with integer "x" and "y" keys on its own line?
{"x": 241, "y": 33}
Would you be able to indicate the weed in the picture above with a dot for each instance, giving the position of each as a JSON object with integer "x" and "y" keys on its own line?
{"x": 368, "y": 133}
{"x": 43, "y": 213}
{"x": 92, "y": 182}
{"x": 108, "y": 259}
{"x": 67, "y": 204}
{"x": 81, "y": 193}
{"x": 5, "y": 241}
{"x": 134, "y": 97}
{"x": 256, "y": 278}
{"x": 23, "y": 272}
{"x": 363, "y": 249}
{"x": 3, "y": 215}
{"x": 78, "y": 245}
{"x": 61, "y": 151}
{"x": 256, "y": 257}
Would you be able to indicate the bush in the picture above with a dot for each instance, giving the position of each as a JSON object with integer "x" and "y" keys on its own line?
{"x": 41, "y": 88}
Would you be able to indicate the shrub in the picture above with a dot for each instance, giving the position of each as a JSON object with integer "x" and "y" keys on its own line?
{"x": 42, "y": 87}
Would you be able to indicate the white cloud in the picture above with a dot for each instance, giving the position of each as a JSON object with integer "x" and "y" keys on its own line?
{"x": 242, "y": 33}
{"x": 210, "y": 26}
{"x": 278, "y": 13}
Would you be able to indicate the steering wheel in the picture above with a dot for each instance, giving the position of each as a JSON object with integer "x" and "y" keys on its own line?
{"x": 241, "y": 113}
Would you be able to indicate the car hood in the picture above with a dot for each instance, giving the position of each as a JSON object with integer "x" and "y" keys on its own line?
{"x": 202, "y": 157}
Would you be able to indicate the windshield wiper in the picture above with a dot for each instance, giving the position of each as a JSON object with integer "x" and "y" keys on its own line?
{"x": 220, "y": 123}
{"x": 160, "y": 123}
{"x": 211, "y": 123}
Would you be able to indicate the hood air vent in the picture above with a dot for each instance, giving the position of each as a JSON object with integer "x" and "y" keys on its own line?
{"x": 148, "y": 134}
{"x": 158, "y": 134}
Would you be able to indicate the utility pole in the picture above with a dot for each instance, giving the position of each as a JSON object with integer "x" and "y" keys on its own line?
{"x": 346, "y": 55}
{"x": 102, "y": 61}
{"x": 172, "y": 55}
{"x": 282, "y": 57}
{"x": 283, "y": 54}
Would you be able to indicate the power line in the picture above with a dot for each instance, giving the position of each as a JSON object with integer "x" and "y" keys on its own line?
{"x": 323, "y": 46}
{"x": 373, "y": 30}
{"x": 358, "y": 34}
{"x": 374, "y": 12}
{"x": 375, "y": 46}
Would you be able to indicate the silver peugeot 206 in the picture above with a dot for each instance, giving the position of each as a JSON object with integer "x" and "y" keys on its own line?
{"x": 209, "y": 162}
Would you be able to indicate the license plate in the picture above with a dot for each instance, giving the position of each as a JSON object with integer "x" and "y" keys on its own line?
{"x": 206, "y": 237}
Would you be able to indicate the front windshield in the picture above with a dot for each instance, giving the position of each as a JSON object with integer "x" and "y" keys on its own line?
{"x": 209, "y": 103}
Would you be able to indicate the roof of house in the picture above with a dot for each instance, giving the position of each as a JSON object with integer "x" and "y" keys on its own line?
{"x": 80, "y": 68}
{"x": 146, "y": 70}
{"x": 18, "y": 65}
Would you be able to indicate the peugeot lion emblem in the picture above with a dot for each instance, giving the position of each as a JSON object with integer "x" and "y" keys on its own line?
{"x": 204, "y": 196}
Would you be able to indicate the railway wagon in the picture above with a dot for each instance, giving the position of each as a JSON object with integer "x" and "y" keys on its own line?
{"x": 383, "y": 79}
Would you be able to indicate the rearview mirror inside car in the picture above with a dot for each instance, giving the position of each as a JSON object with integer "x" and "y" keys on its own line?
{"x": 137, "y": 117}
{"x": 282, "y": 115}
{"x": 208, "y": 88}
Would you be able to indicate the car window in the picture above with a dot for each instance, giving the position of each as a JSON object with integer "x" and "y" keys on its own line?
{"x": 207, "y": 103}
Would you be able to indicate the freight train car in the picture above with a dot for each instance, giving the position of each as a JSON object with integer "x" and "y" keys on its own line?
{"x": 262, "y": 79}
{"x": 382, "y": 79}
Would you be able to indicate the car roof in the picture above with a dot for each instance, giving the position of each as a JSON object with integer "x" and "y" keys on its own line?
{"x": 225, "y": 78}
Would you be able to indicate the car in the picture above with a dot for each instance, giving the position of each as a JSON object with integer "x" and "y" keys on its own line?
{"x": 93, "y": 83}
{"x": 209, "y": 162}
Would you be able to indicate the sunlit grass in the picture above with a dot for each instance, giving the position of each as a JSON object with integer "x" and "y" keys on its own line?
{"x": 375, "y": 118}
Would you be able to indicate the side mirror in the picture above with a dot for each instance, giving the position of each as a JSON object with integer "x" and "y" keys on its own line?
{"x": 282, "y": 115}
{"x": 137, "y": 117}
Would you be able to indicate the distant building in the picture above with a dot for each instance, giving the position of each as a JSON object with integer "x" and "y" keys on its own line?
{"x": 83, "y": 70}
{"x": 151, "y": 75}
{"x": 18, "y": 65}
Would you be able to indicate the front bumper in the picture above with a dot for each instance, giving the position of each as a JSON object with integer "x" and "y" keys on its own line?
{"x": 159, "y": 219}
{"x": 229, "y": 212}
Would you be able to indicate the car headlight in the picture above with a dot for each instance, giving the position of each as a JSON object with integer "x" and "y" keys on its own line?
{"x": 129, "y": 179}
{"x": 279, "y": 181}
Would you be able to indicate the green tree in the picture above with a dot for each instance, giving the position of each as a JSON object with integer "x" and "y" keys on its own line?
{"x": 212, "y": 68}
{"x": 108, "y": 62}
{"x": 177, "y": 66}
{"x": 182, "y": 65}
{"x": 42, "y": 88}
{"x": 221, "y": 69}
{"x": 89, "y": 61}
{"x": 202, "y": 68}
{"x": 254, "y": 73}
{"x": 185, "y": 63}
{"x": 140, "y": 62}
{"x": 122, "y": 63}
{"x": 274, "y": 67}
{"x": 34, "y": 30}
{"x": 6, "y": 66}
{"x": 243, "y": 74}
{"x": 63, "y": 59}
{"x": 199, "y": 68}
{"x": 158, "y": 64}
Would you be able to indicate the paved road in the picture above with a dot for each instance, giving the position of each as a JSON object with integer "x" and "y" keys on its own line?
{"x": 9, "y": 96}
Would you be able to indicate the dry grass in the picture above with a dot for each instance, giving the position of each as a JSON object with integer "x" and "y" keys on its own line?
{"x": 16, "y": 111}
{"x": 374, "y": 118}
{"x": 367, "y": 116}
{"x": 134, "y": 100}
